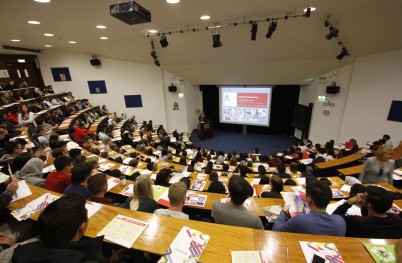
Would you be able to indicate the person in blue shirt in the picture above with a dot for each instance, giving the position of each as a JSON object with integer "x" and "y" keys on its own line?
{"x": 318, "y": 221}
{"x": 79, "y": 176}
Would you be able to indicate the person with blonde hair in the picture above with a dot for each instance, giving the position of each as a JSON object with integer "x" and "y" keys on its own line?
{"x": 378, "y": 169}
{"x": 143, "y": 199}
{"x": 94, "y": 162}
{"x": 177, "y": 197}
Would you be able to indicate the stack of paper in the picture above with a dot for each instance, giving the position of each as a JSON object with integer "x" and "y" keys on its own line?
{"x": 123, "y": 230}
{"x": 272, "y": 212}
{"x": 324, "y": 251}
{"x": 198, "y": 185}
{"x": 128, "y": 191}
{"x": 112, "y": 182}
{"x": 186, "y": 247}
{"x": 382, "y": 253}
{"x": 195, "y": 200}
{"x": 257, "y": 256}
{"x": 26, "y": 211}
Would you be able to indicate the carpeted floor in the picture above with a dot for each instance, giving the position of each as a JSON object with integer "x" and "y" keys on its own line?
{"x": 229, "y": 141}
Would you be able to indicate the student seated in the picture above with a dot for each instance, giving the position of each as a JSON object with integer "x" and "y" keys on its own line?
{"x": 177, "y": 197}
{"x": 282, "y": 171}
{"x": 143, "y": 199}
{"x": 378, "y": 223}
{"x": 318, "y": 221}
{"x": 276, "y": 186}
{"x": 61, "y": 226}
{"x": 58, "y": 181}
{"x": 215, "y": 186}
{"x": 261, "y": 174}
{"x": 233, "y": 212}
{"x": 79, "y": 176}
{"x": 97, "y": 186}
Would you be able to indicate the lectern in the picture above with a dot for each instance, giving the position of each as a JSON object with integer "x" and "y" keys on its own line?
{"x": 205, "y": 130}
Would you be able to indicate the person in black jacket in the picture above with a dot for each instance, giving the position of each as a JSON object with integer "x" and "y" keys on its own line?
{"x": 61, "y": 226}
{"x": 215, "y": 186}
{"x": 261, "y": 174}
{"x": 378, "y": 223}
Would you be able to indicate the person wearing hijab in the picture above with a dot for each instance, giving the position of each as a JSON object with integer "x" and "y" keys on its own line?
{"x": 32, "y": 172}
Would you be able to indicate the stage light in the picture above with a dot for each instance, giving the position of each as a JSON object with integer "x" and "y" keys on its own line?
{"x": 326, "y": 23}
{"x": 216, "y": 40}
{"x": 344, "y": 52}
{"x": 308, "y": 12}
{"x": 254, "y": 29}
{"x": 153, "y": 54}
{"x": 157, "y": 62}
{"x": 163, "y": 41}
{"x": 333, "y": 32}
{"x": 271, "y": 29}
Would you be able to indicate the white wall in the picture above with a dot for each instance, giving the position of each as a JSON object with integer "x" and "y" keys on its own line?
{"x": 368, "y": 86}
{"x": 376, "y": 82}
{"x": 122, "y": 78}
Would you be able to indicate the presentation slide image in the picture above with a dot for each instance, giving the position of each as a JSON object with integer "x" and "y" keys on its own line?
{"x": 230, "y": 99}
{"x": 254, "y": 100}
{"x": 249, "y": 115}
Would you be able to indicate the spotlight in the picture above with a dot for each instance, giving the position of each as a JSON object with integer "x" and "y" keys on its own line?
{"x": 216, "y": 40}
{"x": 157, "y": 62}
{"x": 163, "y": 41}
{"x": 153, "y": 54}
{"x": 254, "y": 29}
{"x": 333, "y": 32}
{"x": 271, "y": 29}
{"x": 344, "y": 52}
{"x": 326, "y": 23}
{"x": 308, "y": 12}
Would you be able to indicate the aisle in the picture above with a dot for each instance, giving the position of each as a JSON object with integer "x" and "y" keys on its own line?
{"x": 229, "y": 141}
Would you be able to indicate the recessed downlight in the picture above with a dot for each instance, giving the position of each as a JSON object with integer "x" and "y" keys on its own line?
{"x": 152, "y": 31}
{"x": 33, "y": 22}
{"x": 205, "y": 17}
{"x": 172, "y": 1}
{"x": 72, "y": 42}
{"x": 312, "y": 8}
{"x": 48, "y": 35}
{"x": 101, "y": 26}
{"x": 15, "y": 40}
{"x": 104, "y": 38}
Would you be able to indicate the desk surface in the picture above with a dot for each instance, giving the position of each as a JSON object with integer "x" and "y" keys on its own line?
{"x": 341, "y": 161}
{"x": 281, "y": 247}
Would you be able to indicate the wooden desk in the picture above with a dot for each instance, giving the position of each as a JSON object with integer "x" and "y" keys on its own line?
{"x": 341, "y": 161}
{"x": 281, "y": 247}
{"x": 351, "y": 170}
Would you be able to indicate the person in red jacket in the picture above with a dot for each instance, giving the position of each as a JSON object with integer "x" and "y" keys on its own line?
{"x": 80, "y": 132}
{"x": 12, "y": 117}
{"x": 58, "y": 180}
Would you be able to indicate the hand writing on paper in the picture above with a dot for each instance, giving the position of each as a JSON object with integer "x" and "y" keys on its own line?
{"x": 13, "y": 185}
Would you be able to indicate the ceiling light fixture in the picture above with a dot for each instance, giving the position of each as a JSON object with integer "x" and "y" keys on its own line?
{"x": 312, "y": 9}
{"x": 164, "y": 42}
{"x": 15, "y": 40}
{"x": 48, "y": 46}
{"x": 72, "y": 42}
{"x": 344, "y": 52}
{"x": 307, "y": 12}
{"x": 333, "y": 32}
{"x": 101, "y": 26}
{"x": 154, "y": 56}
{"x": 216, "y": 40}
{"x": 271, "y": 28}
{"x": 42, "y": 1}
{"x": 205, "y": 17}
{"x": 33, "y": 22}
{"x": 152, "y": 31}
{"x": 254, "y": 29}
{"x": 104, "y": 38}
{"x": 48, "y": 35}
{"x": 172, "y": 1}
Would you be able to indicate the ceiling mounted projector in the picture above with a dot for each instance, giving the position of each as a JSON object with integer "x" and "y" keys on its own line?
{"x": 130, "y": 13}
